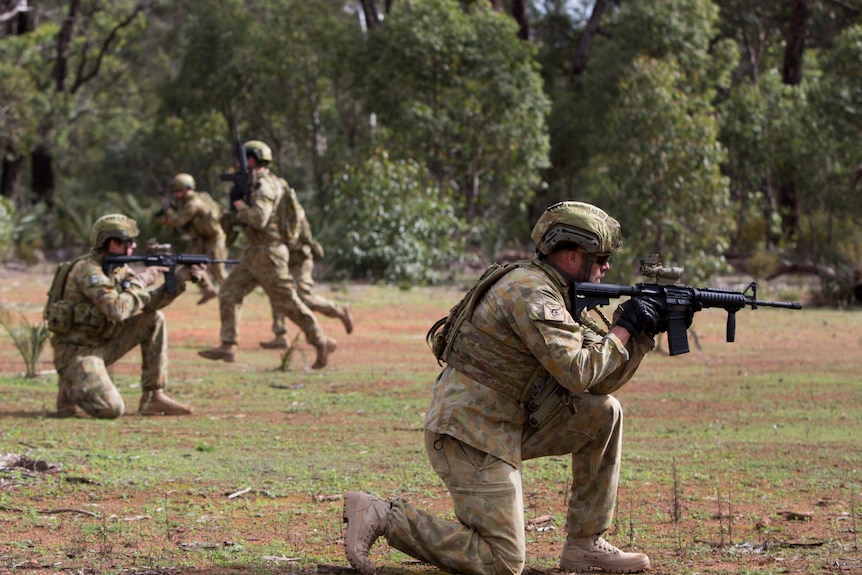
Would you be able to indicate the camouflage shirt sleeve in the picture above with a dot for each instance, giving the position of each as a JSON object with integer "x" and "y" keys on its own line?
{"x": 177, "y": 216}
{"x": 264, "y": 197}
{"x": 116, "y": 296}
{"x": 532, "y": 304}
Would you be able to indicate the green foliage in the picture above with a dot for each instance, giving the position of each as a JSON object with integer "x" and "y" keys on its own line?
{"x": 29, "y": 338}
{"x": 458, "y": 91}
{"x": 388, "y": 221}
{"x": 663, "y": 182}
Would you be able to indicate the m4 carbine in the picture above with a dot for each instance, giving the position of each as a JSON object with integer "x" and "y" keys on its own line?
{"x": 677, "y": 302}
{"x": 169, "y": 261}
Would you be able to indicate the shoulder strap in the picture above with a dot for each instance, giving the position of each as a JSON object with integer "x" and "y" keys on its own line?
{"x": 442, "y": 334}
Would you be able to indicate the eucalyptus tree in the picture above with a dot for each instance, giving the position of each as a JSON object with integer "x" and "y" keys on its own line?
{"x": 659, "y": 166}
{"x": 456, "y": 89}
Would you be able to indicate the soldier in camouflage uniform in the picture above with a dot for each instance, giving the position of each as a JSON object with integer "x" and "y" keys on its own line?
{"x": 96, "y": 318}
{"x": 197, "y": 215}
{"x": 264, "y": 263}
{"x": 481, "y": 424}
{"x": 304, "y": 249}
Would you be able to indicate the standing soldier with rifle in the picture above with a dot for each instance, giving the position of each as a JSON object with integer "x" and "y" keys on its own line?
{"x": 304, "y": 250}
{"x": 256, "y": 209}
{"x": 197, "y": 214}
{"x": 97, "y": 317}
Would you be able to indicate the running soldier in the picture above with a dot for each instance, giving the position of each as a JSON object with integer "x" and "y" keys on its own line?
{"x": 304, "y": 250}
{"x": 197, "y": 215}
{"x": 264, "y": 263}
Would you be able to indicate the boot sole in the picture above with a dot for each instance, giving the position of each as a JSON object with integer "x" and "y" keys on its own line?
{"x": 217, "y": 358}
{"x": 586, "y": 565}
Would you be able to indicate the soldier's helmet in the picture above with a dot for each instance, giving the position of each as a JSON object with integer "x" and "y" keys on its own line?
{"x": 260, "y": 151}
{"x": 577, "y": 223}
{"x": 181, "y": 182}
{"x": 116, "y": 226}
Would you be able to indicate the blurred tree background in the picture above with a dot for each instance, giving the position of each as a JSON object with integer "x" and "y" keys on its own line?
{"x": 721, "y": 133}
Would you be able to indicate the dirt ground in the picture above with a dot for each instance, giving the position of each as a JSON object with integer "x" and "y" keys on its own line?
{"x": 820, "y": 521}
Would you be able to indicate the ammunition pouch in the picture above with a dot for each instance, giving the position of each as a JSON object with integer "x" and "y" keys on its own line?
{"x": 546, "y": 399}
{"x": 59, "y": 317}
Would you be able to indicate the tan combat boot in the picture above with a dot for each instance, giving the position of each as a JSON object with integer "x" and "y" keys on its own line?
{"x": 225, "y": 352}
{"x": 157, "y": 403}
{"x": 278, "y": 342}
{"x": 324, "y": 348}
{"x": 207, "y": 293}
{"x": 581, "y": 553}
{"x": 346, "y": 317}
{"x": 366, "y": 519}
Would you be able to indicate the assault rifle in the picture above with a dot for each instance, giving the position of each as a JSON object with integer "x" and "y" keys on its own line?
{"x": 241, "y": 179}
{"x": 678, "y": 301}
{"x": 170, "y": 261}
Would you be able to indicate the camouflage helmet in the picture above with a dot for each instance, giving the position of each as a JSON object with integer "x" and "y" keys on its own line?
{"x": 260, "y": 151}
{"x": 577, "y": 223}
{"x": 116, "y": 226}
{"x": 181, "y": 182}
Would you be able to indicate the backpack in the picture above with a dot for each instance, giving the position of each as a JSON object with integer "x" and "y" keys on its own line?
{"x": 442, "y": 334}
{"x": 288, "y": 213}
{"x": 58, "y": 314}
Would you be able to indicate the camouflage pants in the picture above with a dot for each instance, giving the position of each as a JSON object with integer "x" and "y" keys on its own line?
{"x": 216, "y": 249}
{"x": 83, "y": 374}
{"x": 488, "y": 537}
{"x": 264, "y": 266}
{"x": 301, "y": 266}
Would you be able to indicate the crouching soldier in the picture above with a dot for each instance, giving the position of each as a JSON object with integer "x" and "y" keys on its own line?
{"x": 97, "y": 317}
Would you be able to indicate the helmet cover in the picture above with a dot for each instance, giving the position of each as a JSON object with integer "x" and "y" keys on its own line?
{"x": 577, "y": 223}
{"x": 116, "y": 226}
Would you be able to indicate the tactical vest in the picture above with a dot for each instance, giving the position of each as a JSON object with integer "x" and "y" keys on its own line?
{"x": 515, "y": 374}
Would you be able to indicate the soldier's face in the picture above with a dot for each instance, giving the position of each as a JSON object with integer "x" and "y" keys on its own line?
{"x": 121, "y": 247}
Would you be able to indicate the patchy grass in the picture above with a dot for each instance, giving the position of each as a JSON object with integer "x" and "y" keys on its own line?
{"x": 719, "y": 445}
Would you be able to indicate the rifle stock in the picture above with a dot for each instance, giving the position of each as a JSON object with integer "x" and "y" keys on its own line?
{"x": 679, "y": 301}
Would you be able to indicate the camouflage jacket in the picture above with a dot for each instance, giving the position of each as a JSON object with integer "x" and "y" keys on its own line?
{"x": 197, "y": 215}
{"x": 96, "y": 304}
{"x": 259, "y": 219}
{"x": 525, "y": 313}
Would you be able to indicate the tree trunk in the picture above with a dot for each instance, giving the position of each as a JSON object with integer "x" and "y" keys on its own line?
{"x": 791, "y": 74}
{"x": 11, "y": 175}
{"x": 369, "y": 9}
{"x": 42, "y": 166}
{"x": 585, "y": 43}
{"x": 519, "y": 13}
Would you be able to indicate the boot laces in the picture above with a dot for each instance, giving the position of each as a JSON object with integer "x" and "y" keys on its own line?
{"x": 601, "y": 545}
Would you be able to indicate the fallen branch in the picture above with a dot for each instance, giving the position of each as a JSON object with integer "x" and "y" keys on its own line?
{"x": 67, "y": 510}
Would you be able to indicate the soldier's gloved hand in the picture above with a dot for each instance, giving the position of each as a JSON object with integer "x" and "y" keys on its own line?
{"x": 148, "y": 276}
{"x": 191, "y": 273}
{"x": 639, "y": 315}
{"x": 660, "y": 307}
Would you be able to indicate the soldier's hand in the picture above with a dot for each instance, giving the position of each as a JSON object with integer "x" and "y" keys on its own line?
{"x": 639, "y": 315}
{"x": 148, "y": 276}
{"x": 191, "y": 273}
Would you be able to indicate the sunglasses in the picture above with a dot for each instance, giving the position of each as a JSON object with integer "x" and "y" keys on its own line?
{"x": 602, "y": 259}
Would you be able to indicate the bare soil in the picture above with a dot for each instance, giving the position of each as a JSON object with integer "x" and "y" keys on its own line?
{"x": 716, "y": 534}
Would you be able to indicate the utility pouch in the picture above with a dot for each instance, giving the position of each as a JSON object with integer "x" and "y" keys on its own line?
{"x": 58, "y": 316}
{"x": 547, "y": 398}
